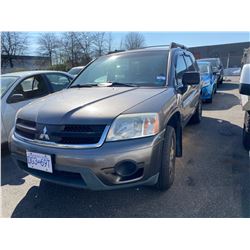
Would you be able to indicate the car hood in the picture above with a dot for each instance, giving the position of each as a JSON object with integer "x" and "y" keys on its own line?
{"x": 96, "y": 105}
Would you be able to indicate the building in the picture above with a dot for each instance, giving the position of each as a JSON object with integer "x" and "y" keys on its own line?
{"x": 22, "y": 63}
{"x": 231, "y": 54}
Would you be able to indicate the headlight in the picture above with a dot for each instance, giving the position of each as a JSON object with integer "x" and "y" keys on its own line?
{"x": 205, "y": 83}
{"x": 133, "y": 126}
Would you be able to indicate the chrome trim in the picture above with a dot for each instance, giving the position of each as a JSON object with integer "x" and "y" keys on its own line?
{"x": 19, "y": 125}
{"x": 67, "y": 146}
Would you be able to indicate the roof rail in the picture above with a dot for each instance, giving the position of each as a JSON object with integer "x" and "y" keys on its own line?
{"x": 177, "y": 45}
{"x": 115, "y": 51}
{"x": 155, "y": 46}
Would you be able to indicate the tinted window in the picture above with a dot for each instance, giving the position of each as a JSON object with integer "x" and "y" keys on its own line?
{"x": 58, "y": 81}
{"x": 31, "y": 87}
{"x": 180, "y": 69}
{"x": 142, "y": 69}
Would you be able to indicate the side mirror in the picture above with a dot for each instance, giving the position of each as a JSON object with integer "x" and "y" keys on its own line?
{"x": 16, "y": 98}
{"x": 191, "y": 78}
{"x": 245, "y": 80}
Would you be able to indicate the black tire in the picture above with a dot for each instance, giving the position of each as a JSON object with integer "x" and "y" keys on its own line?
{"x": 196, "y": 118}
{"x": 215, "y": 89}
{"x": 167, "y": 170}
{"x": 210, "y": 100}
{"x": 246, "y": 138}
{"x": 221, "y": 81}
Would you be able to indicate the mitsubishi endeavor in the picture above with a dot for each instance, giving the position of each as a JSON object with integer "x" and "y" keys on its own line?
{"x": 119, "y": 124}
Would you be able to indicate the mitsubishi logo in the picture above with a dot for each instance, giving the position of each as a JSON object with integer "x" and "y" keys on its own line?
{"x": 44, "y": 134}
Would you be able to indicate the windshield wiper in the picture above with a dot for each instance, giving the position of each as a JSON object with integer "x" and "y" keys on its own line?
{"x": 89, "y": 85}
{"x": 112, "y": 84}
{"x": 103, "y": 84}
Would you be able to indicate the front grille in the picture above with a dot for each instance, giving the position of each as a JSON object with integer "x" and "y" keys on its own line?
{"x": 25, "y": 128}
{"x": 61, "y": 134}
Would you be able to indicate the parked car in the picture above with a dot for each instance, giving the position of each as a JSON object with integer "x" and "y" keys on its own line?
{"x": 232, "y": 71}
{"x": 118, "y": 125}
{"x": 217, "y": 67}
{"x": 208, "y": 80}
{"x": 21, "y": 88}
{"x": 245, "y": 101}
{"x": 75, "y": 70}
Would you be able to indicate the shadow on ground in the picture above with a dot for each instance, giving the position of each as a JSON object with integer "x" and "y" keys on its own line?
{"x": 222, "y": 99}
{"x": 212, "y": 180}
{"x": 228, "y": 86}
{"x": 10, "y": 173}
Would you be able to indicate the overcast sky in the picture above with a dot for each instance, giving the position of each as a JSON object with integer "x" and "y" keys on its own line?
{"x": 189, "y": 39}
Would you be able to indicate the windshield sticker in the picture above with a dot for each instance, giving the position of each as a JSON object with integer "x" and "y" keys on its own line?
{"x": 160, "y": 78}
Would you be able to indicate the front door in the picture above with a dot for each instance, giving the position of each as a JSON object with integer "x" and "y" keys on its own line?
{"x": 28, "y": 90}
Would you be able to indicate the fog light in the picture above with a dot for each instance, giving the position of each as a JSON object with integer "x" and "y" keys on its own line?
{"x": 126, "y": 168}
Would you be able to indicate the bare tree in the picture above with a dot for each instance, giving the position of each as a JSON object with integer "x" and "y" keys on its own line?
{"x": 110, "y": 41}
{"x": 122, "y": 44}
{"x": 13, "y": 44}
{"x": 134, "y": 40}
{"x": 70, "y": 48}
{"x": 48, "y": 45}
{"x": 100, "y": 43}
{"x": 85, "y": 41}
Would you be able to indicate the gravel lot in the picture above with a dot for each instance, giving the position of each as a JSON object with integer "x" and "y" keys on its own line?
{"x": 212, "y": 178}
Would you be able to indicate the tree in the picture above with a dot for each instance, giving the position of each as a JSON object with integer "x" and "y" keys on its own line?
{"x": 70, "y": 48}
{"x": 48, "y": 45}
{"x": 100, "y": 43}
{"x": 13, "y": 44}
{"x": 110, "y": 41}
{"x": 134, "y": 40}
{"x": 85, "y": 41}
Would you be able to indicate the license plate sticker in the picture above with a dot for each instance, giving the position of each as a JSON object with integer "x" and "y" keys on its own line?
{"x": 39, "y": 161}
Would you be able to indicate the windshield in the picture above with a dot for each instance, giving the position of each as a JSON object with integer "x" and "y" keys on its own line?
{"x": 214, "y": 62}
{"x": 147, "y": 68}
{"x": 75, "y": 71}
{"x": 204, "y": 68}
{"x": 6, "y": 82}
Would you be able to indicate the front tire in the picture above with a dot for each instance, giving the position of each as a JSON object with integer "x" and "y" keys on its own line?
{"x": 221, "y": 81}
{"x": 167, "y": 170}
{"x": 246, "y": 139}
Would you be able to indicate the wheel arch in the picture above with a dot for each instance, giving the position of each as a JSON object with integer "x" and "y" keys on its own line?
{"x": 175, "y": 122}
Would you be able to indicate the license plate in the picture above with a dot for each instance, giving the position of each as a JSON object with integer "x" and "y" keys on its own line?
{"x": 39, "y": 161}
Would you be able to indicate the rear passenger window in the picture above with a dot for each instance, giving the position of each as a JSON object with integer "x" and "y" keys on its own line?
{"x": 58, "y": 81}
{"x": 180, "y": 69}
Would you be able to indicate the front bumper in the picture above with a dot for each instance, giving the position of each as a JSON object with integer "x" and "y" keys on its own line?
{"x": 95, "y": 168}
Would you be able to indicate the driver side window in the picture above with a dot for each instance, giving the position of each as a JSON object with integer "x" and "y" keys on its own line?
{"x": 180, "y": 69}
